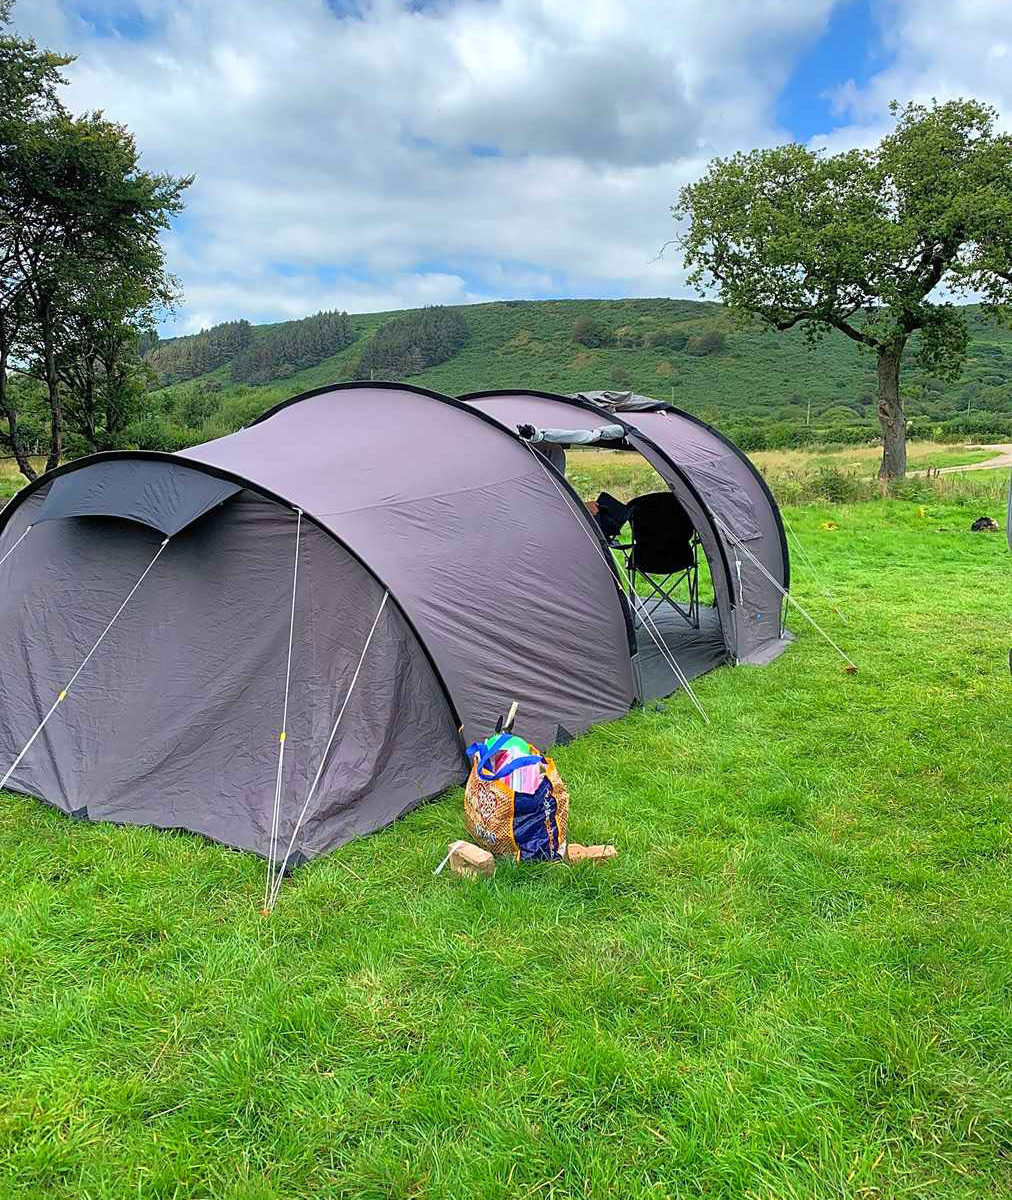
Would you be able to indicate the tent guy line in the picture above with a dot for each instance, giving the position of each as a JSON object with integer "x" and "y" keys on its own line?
{"x": 280, "y": 874}
{"x": 787, "y": 595}
{"x": 15, "y": 546}
{"x": 87, "y": 658}
{"x": 811, "y": 566}
{"x": 283, "y": 735}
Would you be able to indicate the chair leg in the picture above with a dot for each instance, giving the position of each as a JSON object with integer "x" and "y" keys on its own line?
{"x": 663, "y": 593}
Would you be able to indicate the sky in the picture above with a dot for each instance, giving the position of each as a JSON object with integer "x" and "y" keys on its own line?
{"x": 377, "y": 154}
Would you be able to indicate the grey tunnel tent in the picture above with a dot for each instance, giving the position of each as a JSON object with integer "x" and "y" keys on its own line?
{"x": 728, "y": 503}
{"x": 443, "y": 569}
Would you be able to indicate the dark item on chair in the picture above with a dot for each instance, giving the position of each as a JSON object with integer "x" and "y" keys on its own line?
{"x": 611, "y": 515}
{"x": 664, "y": 551}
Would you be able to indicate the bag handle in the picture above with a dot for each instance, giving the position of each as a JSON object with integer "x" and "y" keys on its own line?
{"x": 485, "y": 754}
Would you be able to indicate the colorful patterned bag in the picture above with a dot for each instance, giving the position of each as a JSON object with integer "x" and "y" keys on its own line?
{"x": 515, "y": 801}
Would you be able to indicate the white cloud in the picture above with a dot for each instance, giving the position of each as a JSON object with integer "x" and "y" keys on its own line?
{"x": 467, "y": 149}
{"x": 960, "y": 48}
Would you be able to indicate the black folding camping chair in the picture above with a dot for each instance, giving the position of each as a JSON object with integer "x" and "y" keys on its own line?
{"x": 664, "y": 554}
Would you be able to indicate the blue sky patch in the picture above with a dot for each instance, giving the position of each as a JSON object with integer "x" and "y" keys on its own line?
{"x": 126, "y": 21}
{"x": 850, "y": 48}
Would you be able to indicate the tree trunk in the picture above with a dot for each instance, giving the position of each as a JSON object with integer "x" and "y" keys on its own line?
{"x": 9, "y": 411}
{"x": 53, "y": 388}
{"x": 890, "y": 414}
{"x": 88, "y": 422}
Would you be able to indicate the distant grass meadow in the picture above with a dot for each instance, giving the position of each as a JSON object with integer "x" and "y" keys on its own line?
{"x": 800, "y": 476}
{"x": 795, "y": 980}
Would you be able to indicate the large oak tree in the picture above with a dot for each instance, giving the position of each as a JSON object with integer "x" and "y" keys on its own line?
{"x": 874, "y": 244}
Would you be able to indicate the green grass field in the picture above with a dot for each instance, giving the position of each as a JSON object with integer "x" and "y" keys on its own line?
{"x": 795, "y": 981}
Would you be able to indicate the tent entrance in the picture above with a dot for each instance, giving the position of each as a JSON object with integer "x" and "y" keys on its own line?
{"x": 695, "y": 650}
{"x": 667, "y": 579}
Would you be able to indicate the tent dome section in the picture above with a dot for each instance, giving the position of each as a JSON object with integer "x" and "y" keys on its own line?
{"x": 745, "y": 512}
{"x": 508, "y": 590}
{"x": 175, "y": 720}
{"x": 544, "y": 410}
{"x": 719, "y": 488}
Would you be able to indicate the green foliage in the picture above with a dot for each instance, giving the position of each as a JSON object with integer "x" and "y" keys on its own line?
{"x": 859, "y": 241}
{"x": 155, "y": 432}
{"x": 668, "y": 339}
{"x": 711, "y": 342}
{"x": 411, "y": 343}
{"x": 742, "y": 390}
{"x": 26, "y": 397}
{"x": 185, "y": 358}
{"x": 82, "y": 269}
{"x": 283, "y": 350}
{"x": 588, "y": 332}
{"x": 792, "y": 982}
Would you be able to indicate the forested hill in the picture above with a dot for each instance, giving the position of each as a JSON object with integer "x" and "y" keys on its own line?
{"x": 762, "y": 388}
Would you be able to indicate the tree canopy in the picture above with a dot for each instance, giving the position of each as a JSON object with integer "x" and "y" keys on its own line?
{"x": 409, "y": 344}
{"x": 872, "y": 243}
{"x": 82, "y": 268}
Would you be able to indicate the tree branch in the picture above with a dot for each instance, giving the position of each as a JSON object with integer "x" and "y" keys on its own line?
{"x": 798, "y": 315}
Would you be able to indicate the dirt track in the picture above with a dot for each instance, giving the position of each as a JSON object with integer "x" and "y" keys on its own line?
{"x": 1004, "y": 459}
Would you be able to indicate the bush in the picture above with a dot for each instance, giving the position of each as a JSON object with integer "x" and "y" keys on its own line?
{"x": 621, "y": 379}
{"x": 591, "y": 333}
{"x": 153, "y": 432}
{"x": 711, "y": 342}
{"x": 666, "y": 339}
{"x": 195, "y": 407}
{"x": 841, "y": 487}
{"x": 824, "y": 483}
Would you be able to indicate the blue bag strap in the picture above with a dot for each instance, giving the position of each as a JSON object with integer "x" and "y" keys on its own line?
{"x": 487, "y": 753}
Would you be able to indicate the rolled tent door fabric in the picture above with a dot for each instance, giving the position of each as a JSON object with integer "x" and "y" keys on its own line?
{"x": 575, "y": 437}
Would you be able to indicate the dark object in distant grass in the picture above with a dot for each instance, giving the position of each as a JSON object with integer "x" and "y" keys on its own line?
{"x": 984, "y": 525}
